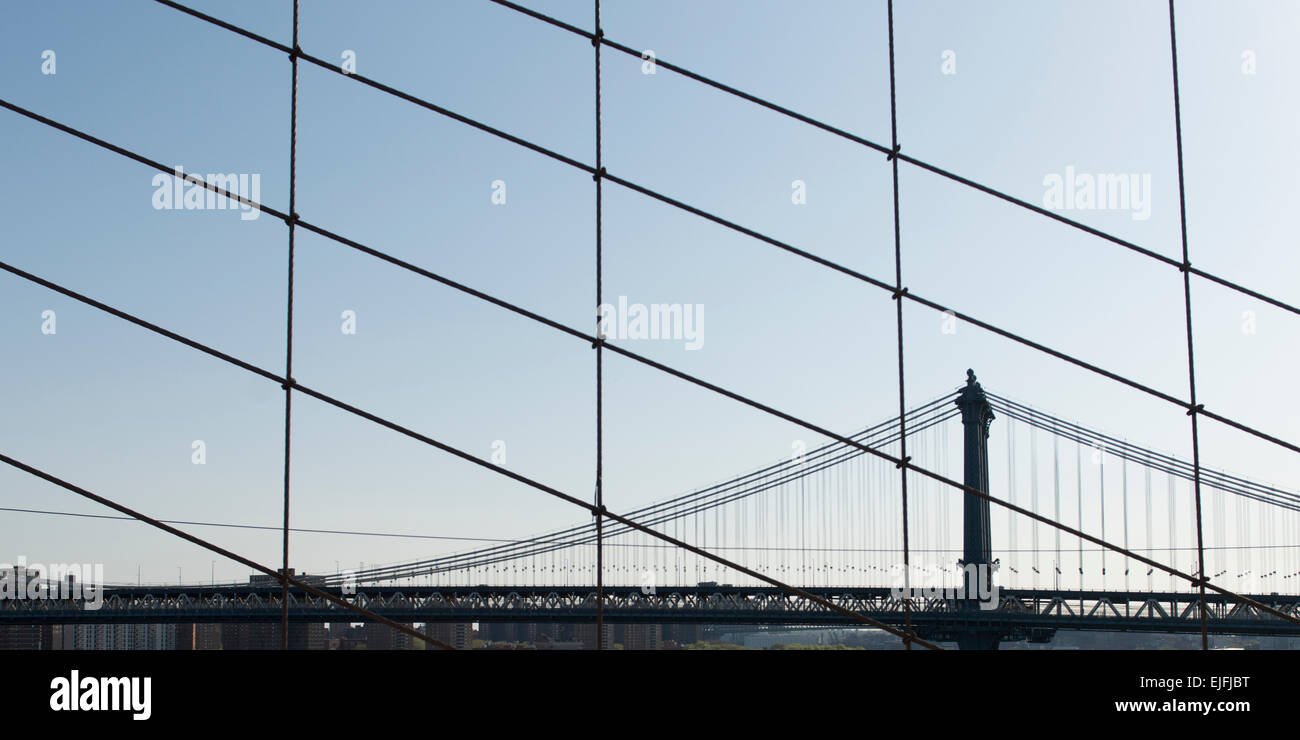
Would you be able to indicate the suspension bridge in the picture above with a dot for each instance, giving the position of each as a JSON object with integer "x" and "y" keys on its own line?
{"x": 825, "y": 519}
{"x": 1061, "y": 527}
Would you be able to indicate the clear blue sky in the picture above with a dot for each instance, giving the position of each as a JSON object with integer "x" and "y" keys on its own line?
{"x": 1039, "y": 87}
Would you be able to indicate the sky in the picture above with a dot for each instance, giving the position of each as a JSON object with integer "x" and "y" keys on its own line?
{"x": 1008, "y": 94}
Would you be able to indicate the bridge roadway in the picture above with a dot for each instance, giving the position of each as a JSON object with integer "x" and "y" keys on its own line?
{"x": 1020, "y": 613}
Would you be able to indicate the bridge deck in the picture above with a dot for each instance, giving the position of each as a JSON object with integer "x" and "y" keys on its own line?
{"x": 1018, "y": 612}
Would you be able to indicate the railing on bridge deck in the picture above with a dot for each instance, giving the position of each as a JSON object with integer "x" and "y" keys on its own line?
{"x": 1019, "y": 613}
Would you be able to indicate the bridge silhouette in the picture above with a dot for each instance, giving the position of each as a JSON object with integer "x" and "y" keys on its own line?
{"x": 822, "y": 519}
{"x": 758, "y": 566}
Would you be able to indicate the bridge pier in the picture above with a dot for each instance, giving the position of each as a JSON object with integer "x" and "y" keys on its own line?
{"x": 977, "y": 561}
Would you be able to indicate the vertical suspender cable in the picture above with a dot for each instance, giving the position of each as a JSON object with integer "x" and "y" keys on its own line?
{"x": 1056, "y": 489}
{"x": 1191, "y": 363}
{"x": 1033, "y": 492}
{"x": 288, "y": 344}
{"x": 1078, "y": 497}
{"x": 1172, "y": 498}
{"x": 1150, "y": 536}
{"x": 1101, "y": 478}
{"x": 600, "y": 493}
{"x": 1011, "y": 491}
{"x": 947, "y": 520}
{"x": 898, "y": 304}
{"x": 1123, "y": 467}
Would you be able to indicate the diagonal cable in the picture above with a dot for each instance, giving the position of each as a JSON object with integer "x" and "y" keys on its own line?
{"x": 288, "y": 382}
{"x": 199, "y": 182}
{"x": 445, "y": 448}
{"x": 1195, "y": 408}
{"x": 521, "y": 311}
{"x": 622, "y": 519}
{"x": 934, "y": 169}
{"x": 541, "y": 319}
{"x": 369, "y": 615}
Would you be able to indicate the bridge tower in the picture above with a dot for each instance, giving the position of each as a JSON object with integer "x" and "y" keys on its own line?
{"x": 977, "y": 549}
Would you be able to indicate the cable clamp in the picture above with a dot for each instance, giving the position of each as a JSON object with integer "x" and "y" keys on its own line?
{"x": 893, "y": 153}
{"x": 903, "y": 463}
{"x": 598, "y": 174}
{"x": 289, "y": 383}
{"x": 899, "y": 292}
{"x": 1187, "y": 265}
{"x": 598, "y": 37}
{"x": 600, "y": 511}
{"x": 295, "y": 53}
{"x": 291, "y": 219}
{"x": 1198, "y": 408}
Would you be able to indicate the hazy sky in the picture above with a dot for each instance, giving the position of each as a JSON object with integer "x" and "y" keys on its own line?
{"x": 1038, "y": 87}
